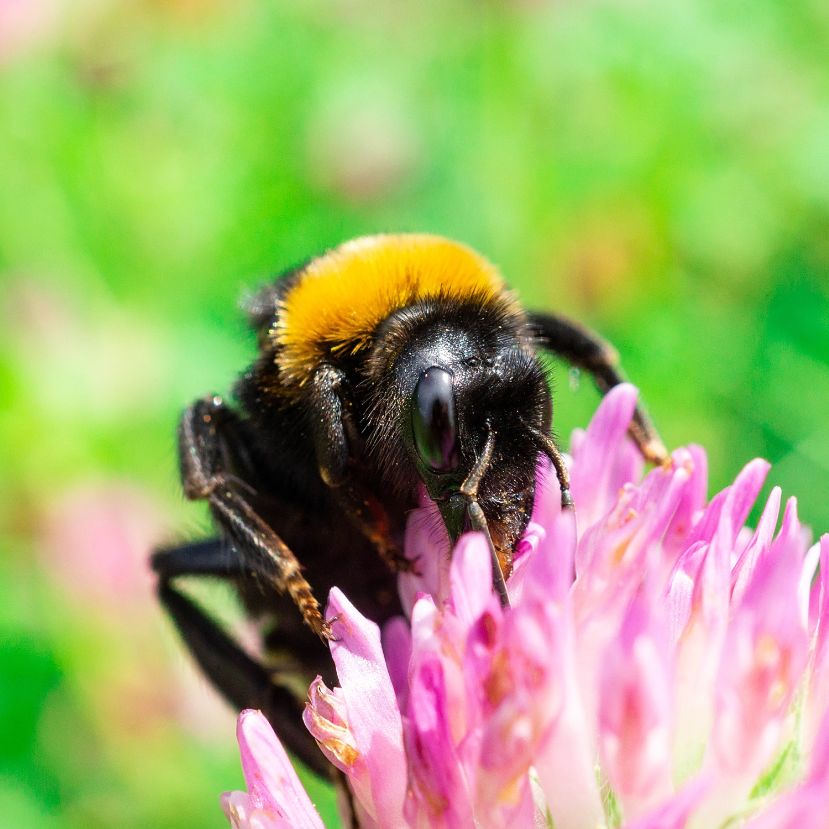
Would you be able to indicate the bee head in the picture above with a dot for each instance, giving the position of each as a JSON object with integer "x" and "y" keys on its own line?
{"x": 459, "y": 376}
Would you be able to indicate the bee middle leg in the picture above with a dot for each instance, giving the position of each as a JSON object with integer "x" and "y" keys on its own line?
{"x": 208, "y": 433}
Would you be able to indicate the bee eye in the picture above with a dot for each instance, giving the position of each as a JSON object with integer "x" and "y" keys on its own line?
{"x": 433, "y": 419}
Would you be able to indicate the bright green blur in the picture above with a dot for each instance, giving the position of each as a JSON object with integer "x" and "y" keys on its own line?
{"x": 660, "y": 171}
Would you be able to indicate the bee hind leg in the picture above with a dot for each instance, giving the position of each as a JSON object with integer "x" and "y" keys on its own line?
{"x": 212, "y": 557}
{"x": 242, "y": 680}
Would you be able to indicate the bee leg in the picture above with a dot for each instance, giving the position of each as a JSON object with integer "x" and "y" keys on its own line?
{"x": 337, "y": 441}
{"x": 212, "y": 557}
{"x": 203, "y": 455}
{"x": 243, "y": 681}
{"x": 585, "y": 349}
{"x": 370, "y": 517}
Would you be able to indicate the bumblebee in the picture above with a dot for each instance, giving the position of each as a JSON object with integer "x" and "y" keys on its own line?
{"x": 390, "y": 367}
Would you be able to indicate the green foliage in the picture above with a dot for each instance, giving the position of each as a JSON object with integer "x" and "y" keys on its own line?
{"x": 659, "y": 172}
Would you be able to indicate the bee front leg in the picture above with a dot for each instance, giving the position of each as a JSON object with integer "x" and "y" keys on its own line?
{"x": 337, "y": 442}
{"x": 204, "y": 452}
{"x": 587, "y": 350}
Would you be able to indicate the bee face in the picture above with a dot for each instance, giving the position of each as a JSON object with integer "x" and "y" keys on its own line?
{"x": 458, "y": 380}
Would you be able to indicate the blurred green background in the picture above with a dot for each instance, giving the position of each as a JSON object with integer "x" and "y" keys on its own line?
{"x": 658, "y": 170}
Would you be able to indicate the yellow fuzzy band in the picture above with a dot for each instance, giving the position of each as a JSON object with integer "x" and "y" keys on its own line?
{"x": 341, "y": 297}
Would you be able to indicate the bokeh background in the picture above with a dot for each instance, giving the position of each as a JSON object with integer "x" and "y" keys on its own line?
{"x": 658, "y": 170}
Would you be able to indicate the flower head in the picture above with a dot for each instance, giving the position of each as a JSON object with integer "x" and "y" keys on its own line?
{"x": 661, "y": 665}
